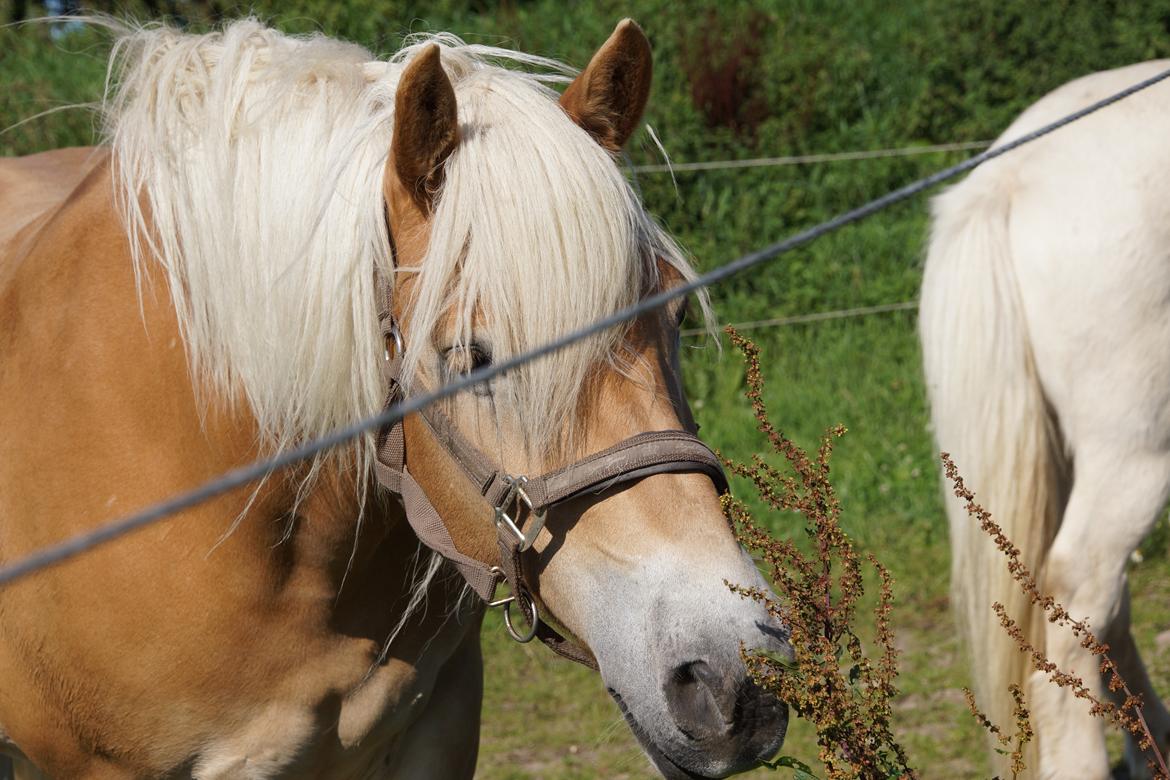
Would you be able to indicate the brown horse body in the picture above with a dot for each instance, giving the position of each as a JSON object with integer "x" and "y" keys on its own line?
{"x": 250, "y": 637}
{"x": 163, "y": 652}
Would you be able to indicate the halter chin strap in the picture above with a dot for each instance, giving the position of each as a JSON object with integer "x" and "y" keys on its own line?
{"x": 516, "y": 504}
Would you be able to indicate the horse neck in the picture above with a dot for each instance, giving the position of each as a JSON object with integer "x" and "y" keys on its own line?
{"x": 74, "y": 302}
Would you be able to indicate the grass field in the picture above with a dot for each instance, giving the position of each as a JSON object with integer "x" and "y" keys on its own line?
{"x": 806, "y": 76}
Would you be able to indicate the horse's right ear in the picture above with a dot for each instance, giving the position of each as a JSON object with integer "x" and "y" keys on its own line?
{"x": 426, "y": 127}
{"x": 609, "y": 96}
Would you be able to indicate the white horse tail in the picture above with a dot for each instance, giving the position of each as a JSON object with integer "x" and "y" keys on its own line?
{"x": 989, "y": 412}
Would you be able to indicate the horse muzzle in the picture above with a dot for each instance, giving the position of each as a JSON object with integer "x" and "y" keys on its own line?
{"x": 717, "y": 724}
{"x": 705, "y": 717}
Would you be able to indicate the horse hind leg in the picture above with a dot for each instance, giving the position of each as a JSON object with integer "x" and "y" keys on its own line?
{"x": 1124, "y": 652}
{"x": 1115, "y": 500}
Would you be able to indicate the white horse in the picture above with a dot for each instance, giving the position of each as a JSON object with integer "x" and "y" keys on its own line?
{"x": 1045, "y": 326}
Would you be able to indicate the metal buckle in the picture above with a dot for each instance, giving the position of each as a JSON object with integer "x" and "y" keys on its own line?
{"x": 507, "y": 603}
{"x": 517, "y": 497}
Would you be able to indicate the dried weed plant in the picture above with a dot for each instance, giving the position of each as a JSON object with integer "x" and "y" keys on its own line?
{"x": 830, "y": 681}
{"x": 1013, "y": 746}
{"x": 1127, "y": 715}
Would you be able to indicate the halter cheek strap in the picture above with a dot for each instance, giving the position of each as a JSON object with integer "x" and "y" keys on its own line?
{"x": 519, "y": 504}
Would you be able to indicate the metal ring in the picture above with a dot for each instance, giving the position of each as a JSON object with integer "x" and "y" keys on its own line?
{"x": 393, "y": 336}
{"x": 520, "y": 599}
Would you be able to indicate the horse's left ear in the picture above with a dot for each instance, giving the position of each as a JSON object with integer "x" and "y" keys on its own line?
{"x": 608, "y": 98}
{"x": 426, "y": 126}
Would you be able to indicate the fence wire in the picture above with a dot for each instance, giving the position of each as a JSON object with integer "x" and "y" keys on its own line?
{"x": 259, "y": 469}
{"x": 816, "y": 316}
{"x": 808, "y": 159}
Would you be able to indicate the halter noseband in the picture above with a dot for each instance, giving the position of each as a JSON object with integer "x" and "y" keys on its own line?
{"x": 519, "y": 504}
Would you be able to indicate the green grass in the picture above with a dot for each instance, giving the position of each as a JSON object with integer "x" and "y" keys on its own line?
{"x": 831, "y": 76}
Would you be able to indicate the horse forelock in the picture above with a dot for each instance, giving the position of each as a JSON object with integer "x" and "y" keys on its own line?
{"x": 535, "y": 233}
{"x": 249, "y": 166}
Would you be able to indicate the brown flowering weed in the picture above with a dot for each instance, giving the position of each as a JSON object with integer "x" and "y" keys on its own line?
{"x": 831, "y": 681}
{"x": 1011, "y": 746}
{"x": 1127, "y": 715}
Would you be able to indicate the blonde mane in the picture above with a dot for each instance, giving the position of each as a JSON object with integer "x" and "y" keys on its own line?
{"x": 249, "y": 166}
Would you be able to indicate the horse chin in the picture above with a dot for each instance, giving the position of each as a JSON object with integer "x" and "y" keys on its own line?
{"x": 687, "y": 765}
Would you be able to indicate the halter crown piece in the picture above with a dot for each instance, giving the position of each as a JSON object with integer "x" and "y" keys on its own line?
{"x": 517, "y": 505}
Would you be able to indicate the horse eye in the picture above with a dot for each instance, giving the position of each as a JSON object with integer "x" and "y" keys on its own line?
{"x": 462, "y": 359}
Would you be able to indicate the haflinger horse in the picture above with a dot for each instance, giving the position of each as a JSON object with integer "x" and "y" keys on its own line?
{"x": 1045, "y": 327}
{"x": 206, "y": 289}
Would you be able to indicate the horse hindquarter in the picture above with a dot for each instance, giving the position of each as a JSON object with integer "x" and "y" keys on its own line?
{"x": 1082, "y": 297}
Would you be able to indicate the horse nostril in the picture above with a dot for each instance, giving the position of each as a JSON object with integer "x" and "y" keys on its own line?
{"x": 702, "y": 703}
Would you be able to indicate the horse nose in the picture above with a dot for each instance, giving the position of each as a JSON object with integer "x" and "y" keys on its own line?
{"x": 701, "y": 702}
{"x": 724, "y": 713}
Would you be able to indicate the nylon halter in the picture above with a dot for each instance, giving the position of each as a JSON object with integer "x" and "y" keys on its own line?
{"x": 517, "y": 505}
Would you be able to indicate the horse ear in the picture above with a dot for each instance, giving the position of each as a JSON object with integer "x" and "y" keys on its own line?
{"x": 608, "y": 98}
{"x": 426, "y": 126}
